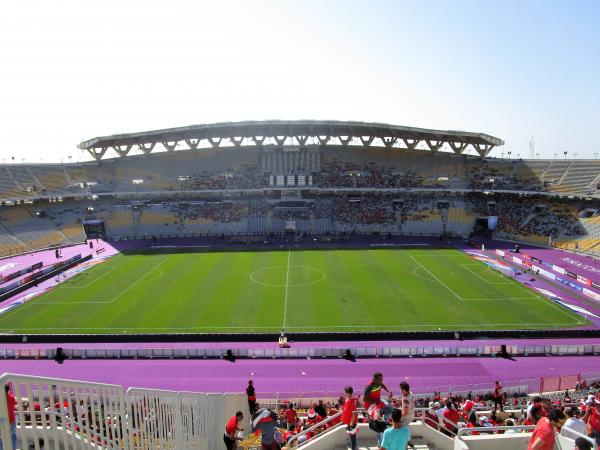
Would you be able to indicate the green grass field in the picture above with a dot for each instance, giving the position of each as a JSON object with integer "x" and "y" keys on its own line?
{"x": 323, "y": 290}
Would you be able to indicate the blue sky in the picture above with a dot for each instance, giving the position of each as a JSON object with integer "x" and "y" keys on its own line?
{"x": 513, "y": 69}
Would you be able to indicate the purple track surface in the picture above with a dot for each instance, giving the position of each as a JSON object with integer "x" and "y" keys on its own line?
{"x": 316, "y": 377}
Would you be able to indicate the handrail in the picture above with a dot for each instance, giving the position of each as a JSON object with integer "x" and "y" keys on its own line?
{"x": 314, "y": 427}
{"x": 330, "y": 418}
{"x": 18, "y": 378}
{"x": 579, "y": 435}
{"x": 444, "y": 419}
{"x": 466, "y": 430}
{"x": 83, "y": 429}
{"x": 463, "y": 431}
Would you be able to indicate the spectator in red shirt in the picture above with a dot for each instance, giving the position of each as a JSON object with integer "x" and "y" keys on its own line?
{"x": 592, "y": 418}
{"x": 350, "y": 416}
{"x": 431, "y": 417}
{"x": 289, "y": 433}
{"x": 543, "y": 436}
{"x": 472, "y": 423}
{"x": 230, "y": 438}
{"x": 313, "y": 419}
{"x": 452, "y": 415}
{"x": 497, "y": 396}
{"x": 290, "y": 415}
{"x": 467, "y": 406}
{"x": 372, "y": 396}
{"x": 320, "y": 409}
{"x": 251, "y": 393}
{"x": 11, "y": 403}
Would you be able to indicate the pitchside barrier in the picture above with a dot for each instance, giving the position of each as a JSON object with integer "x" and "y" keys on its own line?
{"x": 43, "y": 275}
{"x": 64, "y": 414}
{"x": 30, "y": 352}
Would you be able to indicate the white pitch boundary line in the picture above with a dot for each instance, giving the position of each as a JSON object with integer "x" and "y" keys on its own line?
{"x": 503, "y": 299}
{"x": 114, "y": 298}
{"x": 466, "y": 266}
{"x": 435, "y": 255}
{"x": 537, "y": 296}
{"x": 437, "y": 279}
{"x": 443, "y": 326}
{"x": 501, "y": 274}
{"x": 89, "y": 282}
{"x": 287, "y": 283}
{"x": 516, "y": 298}
{"x": 139, "y": 279}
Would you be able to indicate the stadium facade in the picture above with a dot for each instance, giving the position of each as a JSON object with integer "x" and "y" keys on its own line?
{"x": 262, "y": 178}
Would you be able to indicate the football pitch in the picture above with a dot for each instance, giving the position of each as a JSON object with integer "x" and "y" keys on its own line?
{"x": 295, "y": 290}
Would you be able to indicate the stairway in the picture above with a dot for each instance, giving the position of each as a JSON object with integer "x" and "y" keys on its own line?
{"x": 528, "y": 219}
{"x": 420, "y": 444}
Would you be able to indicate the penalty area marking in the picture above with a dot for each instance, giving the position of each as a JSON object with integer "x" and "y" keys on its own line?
{"x": 89, "y": 283}
{"x": 114, "y": 299}
{"x": 418, "y": 269}
{"x": 436, "y": 279}
{"x": 504, "y": 281}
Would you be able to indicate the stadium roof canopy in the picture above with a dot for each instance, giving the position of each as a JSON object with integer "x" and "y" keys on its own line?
{"x": 291, "y": 132}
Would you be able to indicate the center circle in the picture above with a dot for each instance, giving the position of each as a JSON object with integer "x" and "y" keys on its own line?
{"x": 280, "y": 276}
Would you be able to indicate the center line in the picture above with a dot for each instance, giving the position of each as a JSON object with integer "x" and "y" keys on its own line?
{"x": 287, "y": 283}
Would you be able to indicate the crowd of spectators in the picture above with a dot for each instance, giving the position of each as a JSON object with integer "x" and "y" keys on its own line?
{"x": 246, "y": 176}
{"x": 529, "y": 215}
{"x": 230, "y": 211}
{"x": 368, "y": 175}
{"x": 484, "y": 176}
{"x": 367, "y": 210}
{"x": 569, "y": 413}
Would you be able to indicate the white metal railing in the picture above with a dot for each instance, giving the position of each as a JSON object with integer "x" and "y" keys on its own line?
{"x": 525, "y": 428}
{"x": 63, "y": 414}
{"x": 465, "y": 430}
{"x": 444, "y": 421}
{"x": 441, "y": 422}
{"x": 153, "y": 418}
{"x": 579, "y": 435}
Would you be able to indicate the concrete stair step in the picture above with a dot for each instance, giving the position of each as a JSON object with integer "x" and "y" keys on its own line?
{"x": 419, "y": 443}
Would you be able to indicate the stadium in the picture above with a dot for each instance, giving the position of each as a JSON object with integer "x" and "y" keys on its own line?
{"x": 304, "y": 255}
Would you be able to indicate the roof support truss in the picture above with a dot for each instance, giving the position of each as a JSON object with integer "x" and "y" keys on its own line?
{"x": 237, "y": 141}
{"x": 483, "y": 149}
{"x": 458, "y": 147}
{"x": 170, "y": 146}
{"x": 122, "y": 150}
{"x": 434, "y": 146}
{"x": 97, "y": 153}
{"x": 346, "y": 134}
{"x": 147, "y": 148}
